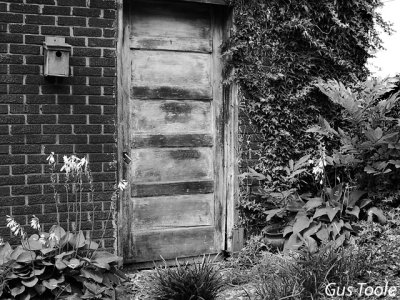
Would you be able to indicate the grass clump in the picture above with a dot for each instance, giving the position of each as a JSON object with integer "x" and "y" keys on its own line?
{"x": 197, "y": 281}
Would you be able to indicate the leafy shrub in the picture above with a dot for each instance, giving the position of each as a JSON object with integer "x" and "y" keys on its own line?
{"x": 58, "y": 263}
{"x": 186, "y": 282}
{"x": 370, "y": 144}
{"x": 278, "y": 50}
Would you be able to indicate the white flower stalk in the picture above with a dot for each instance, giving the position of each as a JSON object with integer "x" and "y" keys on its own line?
{"x": 35, "y": 224}
{"x": 122, "y": 185}
{"x": 320, "y": 164}
{"x": 15, "y": 227}
{"x": 51, "y": 159}
{"x": 1, "y": 242}
{"x": 53, "y": 237}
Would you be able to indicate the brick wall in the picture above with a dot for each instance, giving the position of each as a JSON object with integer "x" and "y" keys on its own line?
{"x": 39, "y": 115}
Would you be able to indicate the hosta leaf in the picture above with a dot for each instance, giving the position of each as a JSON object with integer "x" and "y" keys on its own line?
{"x": 58, "y": 231}
{"x": 92, "y": 274}
{"x": 272, "y": 212}
{"x": 78, "y": 240}
{"x": 370, "y": 170}
{"x": 16, "y": 252}
{"x": 313, "y": 203}
{"x": 32, "y": 244}
{"x": 323, "y": 233}
{"x": 295, "y": 205}
{"x": 355, "y": 196}
{"x": 301, "y": 223}
{"x": 365, "y": 202}
{"x": 294, "y": 242}
{"x": 19, "y": 289}
{"x": 348, "y": 226}
{"x": 73, "y": 263}
{"x": 52, "y": 283}
{"x": 311, "y": 244}
{"x": 91, "y": 245}
{"x": 26, "y": 257}
{"x": 5, "y": 251}
{"x": 336, "y": 193}
{"x": 40, "y": 289}
{"x": 60, "y": 264}
{"x": 336, "y": 227}
{"x": 374, "y": 211}
{"x": 104, "y": 257}
{"x": 355, "y": 211}
{"x": 340, "y": 240}
{"x": 287, "y": 230}
{"x": 312, "y": 230}
{"x": 94, "y": 288}
{"x": 30, "y": 282}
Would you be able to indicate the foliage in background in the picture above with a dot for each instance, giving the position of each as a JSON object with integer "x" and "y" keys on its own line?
{"x": 279, "y": 50}
{"x": 369, "y": 151}
{"x": 197, "y": 281}
{"x": 58, "y": 263}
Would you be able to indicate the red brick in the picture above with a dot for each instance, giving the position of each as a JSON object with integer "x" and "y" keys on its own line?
{"x": 11, "y": 59}
{"x": 12, "y": 139}
{"x": 12, "y": 180}
{"x": 18, "y": 28}
{"x": 27, "y": 210}
{"x": 87, "y": 71}
{"x": 23, "y": 89}
{"x": 12, "y": 119}
{"x": 68, "y": 99}
{"x": 92, "y": 32}
{"x": 40, "y": 99}
{"x": 26, "y": 169}
{"x": 4, "y": 191}
{"x": 87, "y": 129}
{"x": 86, "y": 90}
{"x": 86, "y": 52}
{"x": 11, "y": 18}
{"x": 55, "y": 30}
{"x": 98, "y": 42}
{"x": 24, "y": 109}
{"x": 24, "y": 149}
{"x": 104, "y": 100}
{"x": 24, "y": 8}
{"x": 12, "y": 159}
{"x": 35, "y": 179}
{"x": 41, "y": 119}
{"x": 73, "y": 139}
{"x": 71, "y": 21}
{"x": 57, "y": 129}
{"x": 11, "y": 37}
{"x": 102, "y": 3}
{"x": 101, "y": 139}
{"x": 56, "y": 10}
{"x": 8, "y": 201}
{"x": 88, "y": 149}
{"x": 26, "y": 129}
{"x": 11, "y": 79}
{"x": 4, "y": 129}
{"x": 41, "y": 139}
{"x": 40, "y": 20}
{"x": 24, "y": 69}
{"x": 72, "y": 119}
{"x": 4, "y": 170}
{"x": 86, "y": 12}
{"x": 87, "y": 109}
{"x": 71, "y": 2}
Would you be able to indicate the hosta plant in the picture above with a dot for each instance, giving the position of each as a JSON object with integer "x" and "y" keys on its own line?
{"x": 56, "y": 265}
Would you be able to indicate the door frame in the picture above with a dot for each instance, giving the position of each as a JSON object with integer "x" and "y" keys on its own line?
{"x": 231, "y": 239}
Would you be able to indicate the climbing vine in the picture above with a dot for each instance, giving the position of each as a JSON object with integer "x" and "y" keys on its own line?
{"x": 278, "y": 50}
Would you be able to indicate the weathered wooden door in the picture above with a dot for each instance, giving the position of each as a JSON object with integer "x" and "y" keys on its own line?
{"x": 173, "y": 130}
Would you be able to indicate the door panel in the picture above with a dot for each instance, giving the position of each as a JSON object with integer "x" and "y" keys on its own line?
{"x": 175, "y": 135}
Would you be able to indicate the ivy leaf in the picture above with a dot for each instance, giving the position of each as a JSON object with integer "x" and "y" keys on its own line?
{"x": 26, "y": 257}
{"x": 323, "y": 233}
{"x": 92, "y": 274}
{"x": 78, "y": 240}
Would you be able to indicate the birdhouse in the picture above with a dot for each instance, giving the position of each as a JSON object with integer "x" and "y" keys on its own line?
{"x": 56, "y": 57}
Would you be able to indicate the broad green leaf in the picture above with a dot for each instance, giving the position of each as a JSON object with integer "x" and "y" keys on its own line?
{"x": 26, "y": 257}
{"x": 365, "y": 202}
{"x": 287, "y": 230}
{"x": 340, "y": 240}
{"x": 313, "y": 229}
{"x": 78, "y": 240}
{"x": 40, "y": 289}
{"x": 73, "y": 263}
{"x": 104, "y": 257}
{"x": 311, "y": 244}
{"x": 329, "y": 211}
{"x": 89, "y": 244}
{"x": 32, "y": 244}
{"x": 30, "y": 282}
{"x": 354, "y": 197}
{"x": 295, "y": 204}
{"x": 5, "y": 251}
{"x": 336, "y": 193}
{"x": 58, "y": 231}
{"x": 355, "y": 211}
{"x": 313, "y": 203}
{"x": 301, "y": 224}
{"x": 17, "y": 290}
{"x": 52, "y": 283}
{"x": 294, "y": 242}
{"x": 92, "y": 274}
{"x": 303, "y": 161}
{"x": 323, "y": 233}
{"x": 60, "y": 264}
{"x": 374, "y": 211}
{"x": 272, "y": 212}
{"x": 336, "y": 227}
{"x": 16, "y": 252}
